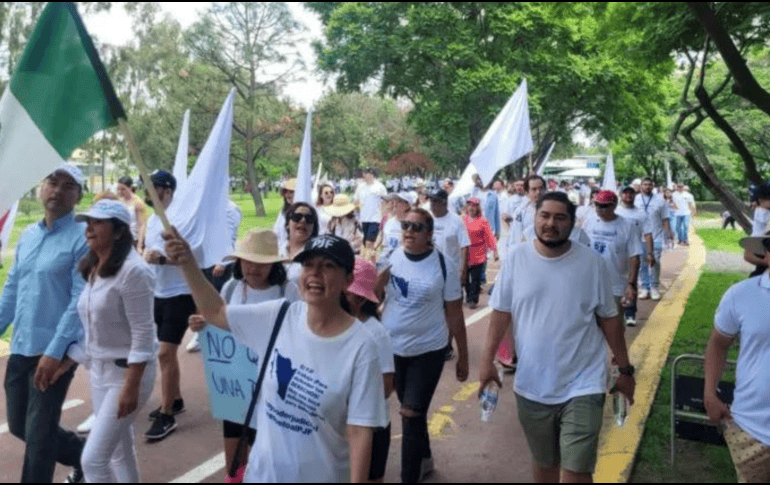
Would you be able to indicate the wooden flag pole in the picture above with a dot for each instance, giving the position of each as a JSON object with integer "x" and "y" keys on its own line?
{"x": 159, "y": 210}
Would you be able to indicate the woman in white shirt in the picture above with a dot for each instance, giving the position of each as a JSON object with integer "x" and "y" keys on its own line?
{"x": 301, "y": 225}
{"x": 322, "y": 396}
{"x": 423, "y": 307}
{"x": 119, "y": 344}
{"x": 258, "y": 276}
{"x": 325, "y": 200}
{"x": 344, "y": 222}
{"x": 363, "y": 305}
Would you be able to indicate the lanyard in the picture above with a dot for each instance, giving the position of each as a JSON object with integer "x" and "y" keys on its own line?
{"x": 647, "y": 204}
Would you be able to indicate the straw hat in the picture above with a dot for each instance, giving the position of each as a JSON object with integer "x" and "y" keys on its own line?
{"x": 341, "y": 206}
{"x": 290, "y": 184}
{"x": 258, "y": 246}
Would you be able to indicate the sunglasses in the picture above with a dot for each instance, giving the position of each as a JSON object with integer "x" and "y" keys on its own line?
{"x": 604, "y": 206}
{"x": 298, "y": 216}
{"x": 413, "y": 226}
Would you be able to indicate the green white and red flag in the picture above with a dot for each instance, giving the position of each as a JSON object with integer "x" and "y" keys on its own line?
{"x": 57, "y": 98}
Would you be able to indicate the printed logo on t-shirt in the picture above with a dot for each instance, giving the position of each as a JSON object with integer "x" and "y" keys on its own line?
{"x": 600, "y": 247}
{"x": 400, "y": 284}
{"x": 298, "y": 388}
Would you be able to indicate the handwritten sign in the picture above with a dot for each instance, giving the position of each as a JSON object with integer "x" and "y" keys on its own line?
{"x": 231, "y": 375}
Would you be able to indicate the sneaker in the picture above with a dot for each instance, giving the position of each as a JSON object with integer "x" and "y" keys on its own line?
{"x": 426, "y": 468}
{"x": 195, "y": 344}
{"x": 161, "y": 427}
{"x": 85, "y": 426}
{"x": 177, "y": 408}
{"x": 76, "y": 476}
{"x": 643, "y": 294}
{"x": 630, "y": 322}
{"x": 654, "y": 294}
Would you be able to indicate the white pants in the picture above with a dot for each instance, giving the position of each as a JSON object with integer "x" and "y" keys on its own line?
{"x": 109, "y": 455}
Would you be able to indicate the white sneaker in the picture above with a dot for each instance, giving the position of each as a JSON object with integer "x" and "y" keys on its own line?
{"x": 85, "y": 426}
{"x": 630, "y": 322}
{"x": 194, "y": 345}
{"x": 654, "y": 294}
{"x": 643, "y": 294}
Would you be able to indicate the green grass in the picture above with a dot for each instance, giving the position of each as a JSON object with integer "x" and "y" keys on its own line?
{"x": 711, "y": 463}
{"x": 721, "y": 240}
{"x": 31, "y": 211}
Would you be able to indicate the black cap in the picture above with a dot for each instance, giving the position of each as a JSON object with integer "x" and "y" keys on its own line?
{"x": 628, "y": 189}
{"x": 440, "y": 194}
{"x": 333, "y": 247}
{"x": 163, "y": 179}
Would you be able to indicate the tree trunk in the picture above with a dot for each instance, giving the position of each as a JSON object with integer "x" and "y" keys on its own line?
{"x": 698, "y": 160}
{"x": 256, "y": 195}
{"x": 748, "y": 160}
{"x": 746, "y": 86}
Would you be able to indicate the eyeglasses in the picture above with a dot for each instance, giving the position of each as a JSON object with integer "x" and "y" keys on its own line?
{"x": 298, "y": 216}
{"x": 413, "y": 226}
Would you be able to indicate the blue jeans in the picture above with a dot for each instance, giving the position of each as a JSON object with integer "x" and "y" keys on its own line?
{"x": 682, "y": 224}
{"x": 644, "y": 269}
{"x": 33, "y": 417}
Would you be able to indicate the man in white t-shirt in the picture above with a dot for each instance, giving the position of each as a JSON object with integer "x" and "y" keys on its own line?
{"x": 656, "y": 209}
{"x": 628, "y": 210}
{"x": 685, "y": 207}
{"x": 561, "y": 379}
{"x": 618, "y": 241}
{"x": 742, "y": 314}
{"x": 524, "y": 216}
{"x": 449, "y": 233}
{"x": 369, "y": 200}
{"x": 173, "y": 306}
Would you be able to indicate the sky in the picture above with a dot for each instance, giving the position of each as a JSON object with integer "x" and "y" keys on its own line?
{"x": 114, "y": 28}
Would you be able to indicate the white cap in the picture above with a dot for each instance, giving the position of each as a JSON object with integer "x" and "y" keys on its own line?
{"x": 407, "y": 197}
{"x": 72, "y": 171}
{"x": 106, "y": 209}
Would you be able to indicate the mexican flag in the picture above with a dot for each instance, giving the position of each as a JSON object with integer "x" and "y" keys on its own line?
{"x": 58, "y": 97}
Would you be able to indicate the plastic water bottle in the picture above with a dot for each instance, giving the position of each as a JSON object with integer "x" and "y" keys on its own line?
{"x": 488, "y": 402}
{"x": 619, "y": 401}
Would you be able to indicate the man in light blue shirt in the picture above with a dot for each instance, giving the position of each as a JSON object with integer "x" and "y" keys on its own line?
{"x": 40, "y": 298}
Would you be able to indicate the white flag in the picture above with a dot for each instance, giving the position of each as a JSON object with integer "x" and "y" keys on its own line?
{"x": 669, "y": 183}
{"x": 609, "y": 182}
{"x": 464, "y": 186}
{"x": 6, "y": 225}
{"x": 316, "y": 183}
{"x": 199, "y": 208}
{"x": 180, "y": 162}
{"x": 302, "y": 191}
{"x": 541, "y": 170}
{"x": 507, "y": 140}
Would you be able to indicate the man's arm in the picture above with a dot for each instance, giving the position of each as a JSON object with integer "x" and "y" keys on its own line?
{"x": 453, "y": 310}
{"x": 8, "y": 297}
{"x": 716, "y": 356}
{"x": 614, "y": 332}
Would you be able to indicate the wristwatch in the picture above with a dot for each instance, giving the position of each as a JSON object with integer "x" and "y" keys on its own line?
{"x": 627, "y": 371}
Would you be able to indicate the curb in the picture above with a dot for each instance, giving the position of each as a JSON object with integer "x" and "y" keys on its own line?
{"x": 618, "y": 446}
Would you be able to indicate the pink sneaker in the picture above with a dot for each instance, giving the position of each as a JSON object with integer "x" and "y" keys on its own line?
{"x": 238, "y": 478}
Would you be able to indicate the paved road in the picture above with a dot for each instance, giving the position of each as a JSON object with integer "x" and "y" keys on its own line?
{"x": 465, "y": 450}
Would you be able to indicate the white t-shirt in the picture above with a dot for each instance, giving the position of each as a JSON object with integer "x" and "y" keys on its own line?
{"x": 384, "y": 351}
{"x": 314, "y": 388}
{"x": 759, "y": 224}
{"x": 370, "y": 199}
{"x": 169, "y": 279}
{"x": 323, "y": 220}
{"x": 279, "y": 229}
{"x": 523, "y": 218}
{"x": 241, "y": 293}
{"x": 683, "y": 201}
{"x": 657, "y": 211}
{"x": 391, "y": 235}
{"x": 743, "y": 313}
{"x": 636, "y": 214}
{"x": 450, "y": 236}
{"x": 582, "y": 214}
{"x": 414, "y": 303}
{"x": 615, "y": 241}
{"x": 554, "y": 303}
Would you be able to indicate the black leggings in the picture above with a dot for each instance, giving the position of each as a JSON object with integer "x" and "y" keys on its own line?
{"x": 416, "y": 381}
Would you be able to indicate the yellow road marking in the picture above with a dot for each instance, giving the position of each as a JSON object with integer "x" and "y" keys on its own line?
{"x": 617, "y": 446}
{"x": 469, "y": 390}
{"x": 4, "y": 349}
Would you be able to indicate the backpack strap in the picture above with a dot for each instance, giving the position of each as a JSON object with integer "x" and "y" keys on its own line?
{"x": 442, "y": 263}
{"x": 273, "y": 337}
{"x": 229, "y": 290}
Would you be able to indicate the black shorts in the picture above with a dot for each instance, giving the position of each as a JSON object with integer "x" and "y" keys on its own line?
{"x": 171, "y": 315}
{"x": 380, "y": 448}
{"x": 233, "y": 430}
{"x": 370, "y": 230}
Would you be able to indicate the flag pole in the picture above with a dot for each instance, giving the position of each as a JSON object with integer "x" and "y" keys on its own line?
{"x": 161, "y": 213}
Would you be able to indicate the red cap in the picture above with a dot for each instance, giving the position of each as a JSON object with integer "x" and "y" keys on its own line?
{"x": 606, "y": 197}
{"x": 474, "y": 201}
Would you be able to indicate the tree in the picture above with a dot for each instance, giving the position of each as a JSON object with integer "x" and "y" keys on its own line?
{"x": 458, "y": 63}
{"x": 253, "y": 47}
